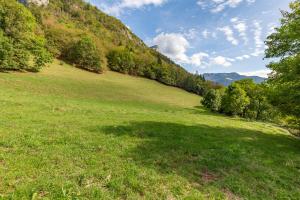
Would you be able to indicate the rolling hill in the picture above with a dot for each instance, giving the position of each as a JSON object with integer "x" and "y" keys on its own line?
{"x": 70, "y": 134}
{"x": 67, "y": 26}
{"x": 227, "y": 78}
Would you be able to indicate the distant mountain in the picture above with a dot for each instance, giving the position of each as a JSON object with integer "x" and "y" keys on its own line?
{"x": 227, "y": 78}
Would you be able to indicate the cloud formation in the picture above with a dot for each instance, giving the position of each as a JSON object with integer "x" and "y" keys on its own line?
{"x": 223, "y": 61}
{"x": 118, "y": 8}
{"x": 259, "y": 44}
{"x": 175, "y": 46}
{"x": 262, "y": 73}
{"x": 241, "y": 27}
{"x": 229, "y": 35}
{"x": 217, "y": 6}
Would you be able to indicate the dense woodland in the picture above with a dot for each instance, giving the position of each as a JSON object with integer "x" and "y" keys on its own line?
{"x": 80, "y": 34}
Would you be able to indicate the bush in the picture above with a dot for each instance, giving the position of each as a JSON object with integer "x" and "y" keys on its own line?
{"x": 20, "y": 47}
{"x": 149, "y": 71}
{"x": 235, "y": 100}
{"x": 121, "y": 61}
{"x": 212, "y": 99}
{"x": 84, "y": 54}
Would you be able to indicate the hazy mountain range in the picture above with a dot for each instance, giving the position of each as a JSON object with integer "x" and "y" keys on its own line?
{"x": 227, "y": 78}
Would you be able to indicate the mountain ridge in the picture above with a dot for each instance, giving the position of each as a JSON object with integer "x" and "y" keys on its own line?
{"x": 227, "y": 78}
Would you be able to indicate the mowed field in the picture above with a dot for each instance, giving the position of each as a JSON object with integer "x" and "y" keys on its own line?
{"x": 70, "y": 134}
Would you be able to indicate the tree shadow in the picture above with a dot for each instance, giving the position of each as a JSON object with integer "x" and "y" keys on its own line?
{"x": 202, "y": 110}
{"x": 200, "y": 153}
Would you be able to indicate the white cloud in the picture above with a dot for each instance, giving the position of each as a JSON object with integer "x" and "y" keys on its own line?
{"x": 259, "y": 44}
{"x": 241, "y": 27}
{"x": 191, "y": 34}
{"x": 243, "y": 57}
{"x": 198, "y": 59}
{"x": 229, "y": 35}
{"x": 262, "y": 73}
{"x": 117, "y": 8}
{"x": 202, "y": 4}
{"x": 257, "y": 34}
{"x": 177, "y": 45}
{"x": 141, "y": 3}
{"x": 217, "y": 6}
{"x": 173, "y": 45}
{"x": 220, "y": 60}
{"x": 207, "y": 34}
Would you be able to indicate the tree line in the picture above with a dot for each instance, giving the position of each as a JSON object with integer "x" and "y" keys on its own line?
{"x": 242, "y": 98}
{"x": 279, "y": 96}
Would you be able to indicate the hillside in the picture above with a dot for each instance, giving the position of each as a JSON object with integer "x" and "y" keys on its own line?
{"x": 70, "y": 134}
{"x": 227, "y": 78}
{"x": 69, "y": 24}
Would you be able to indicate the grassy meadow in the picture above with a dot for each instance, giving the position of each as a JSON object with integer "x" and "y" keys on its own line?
{"x": 70, "y": 134}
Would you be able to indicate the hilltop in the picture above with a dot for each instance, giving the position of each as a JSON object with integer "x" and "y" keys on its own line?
{"x": 71, "y": 134}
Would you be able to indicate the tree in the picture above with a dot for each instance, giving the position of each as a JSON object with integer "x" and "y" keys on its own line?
{"x": 284, "y": 82}
{"x": 212, "y": 99}
{"x": 121, "y": 60}
{"x": 84, "y": 54}
{"x": 259, "y": 107}
{"x": 235, "y": 100}
{"x": 21, "y": 48}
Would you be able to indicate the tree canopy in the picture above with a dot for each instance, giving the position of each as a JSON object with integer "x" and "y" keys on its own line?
{"x": 284, "y": 45}
{"x": 84, "y": 54}
{"x": 21, "y": 47}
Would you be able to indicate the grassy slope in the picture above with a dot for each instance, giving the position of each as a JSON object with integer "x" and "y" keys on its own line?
{"x": 69, "y": 133}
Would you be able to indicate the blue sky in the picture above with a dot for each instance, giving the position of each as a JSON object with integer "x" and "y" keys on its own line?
{"x": 203, "y": 35}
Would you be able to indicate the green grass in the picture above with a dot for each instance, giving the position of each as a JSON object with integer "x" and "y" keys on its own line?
{"x": 70, "y": 134}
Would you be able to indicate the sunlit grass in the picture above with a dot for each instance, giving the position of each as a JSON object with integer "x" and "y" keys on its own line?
{"x": 66, "y": 133}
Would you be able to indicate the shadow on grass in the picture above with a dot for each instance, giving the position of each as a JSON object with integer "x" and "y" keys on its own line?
{"x": 203, "y": 111}
{"x": 234, "y": 155}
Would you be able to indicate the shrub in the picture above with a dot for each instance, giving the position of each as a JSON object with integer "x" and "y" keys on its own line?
{"x": 235, "y": 100}
{"x": 11, "y": 58}
{"x": 20, "y": 47}
{"x": 121, "y": 61}
{"x": 84, "y": 54}
{"x": 212, "y": 99}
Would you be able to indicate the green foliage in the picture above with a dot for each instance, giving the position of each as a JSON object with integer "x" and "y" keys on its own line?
{"x": 129, "y": 62}
{"x": 84, "y": 54}
{"x": 121, "y": 61}
{"x": 235, "y": 100}
{"x": 286, "y": 40}
{"x": 284, "y": 84}
{"x": 20, "y": 47}
{"x": 259, "y": 107}
{"x": 11, "y": 57}
{"x": 243, "y": 98}
{"x": 212, "y": 99}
